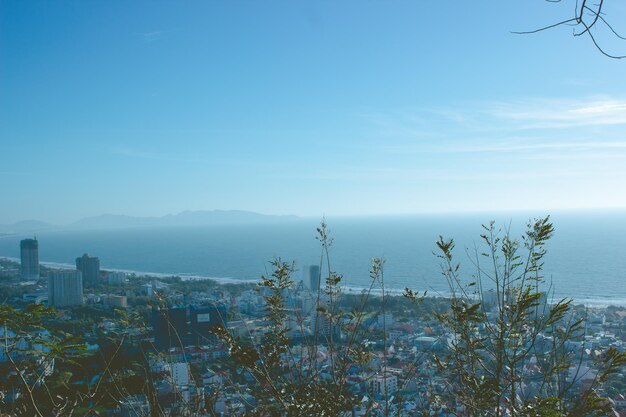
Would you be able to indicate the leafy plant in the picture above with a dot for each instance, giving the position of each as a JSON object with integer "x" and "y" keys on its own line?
{"x": 506, "y": 343}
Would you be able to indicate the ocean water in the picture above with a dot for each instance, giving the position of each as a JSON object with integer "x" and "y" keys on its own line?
{"x": 586, "y": 258}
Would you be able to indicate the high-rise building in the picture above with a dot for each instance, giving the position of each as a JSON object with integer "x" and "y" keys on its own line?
{"x": 181, "y": 326}
{"x": 205, "y": 318}
{"x": 29, "y": 257}
{"x": 312, "y": 277}
{"x": 65, "y": 288}
{"x": 90, "y": 267}
{"x": 170, "y": 327}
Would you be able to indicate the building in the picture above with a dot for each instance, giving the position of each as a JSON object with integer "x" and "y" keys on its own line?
{"x": 134, "y": 406}
{"x": 115, "y": 277}
{"x": 170, "y": 327}
{"x": 205, "y": 318}
{"x": 148, "y": 289}
{"x": 490, "y": 298}
{"x": 65, "y": 288}
{"x": 383, "y": 385}
{"x": 322, "y": 328}
{"x": 9, "y": 272}
{"x": 619, "y": 401}
{"x": 155, "y": 286}
{"x": 180, "y": 373}
{"x": 90, "y": 267}
{"x": 37, "y": 297}
{"x": 312, "y": 277}
{"x": 116, "y": 301}
{"x": 385, "y": 320}
{"x": 29, "y": 257}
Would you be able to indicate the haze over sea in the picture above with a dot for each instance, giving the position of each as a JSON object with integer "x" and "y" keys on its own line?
{"x": 585, "y": 260}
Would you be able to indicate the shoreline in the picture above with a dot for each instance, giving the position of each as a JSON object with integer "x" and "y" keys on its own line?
{"x": 184, "y": 276}
{"x": 352, "y": 290}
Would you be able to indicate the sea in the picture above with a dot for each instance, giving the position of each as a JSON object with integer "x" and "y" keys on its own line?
{"x": 585, "y": 260}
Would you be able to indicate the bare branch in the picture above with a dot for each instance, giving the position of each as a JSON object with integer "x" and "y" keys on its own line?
{"x": 586, "y": 17}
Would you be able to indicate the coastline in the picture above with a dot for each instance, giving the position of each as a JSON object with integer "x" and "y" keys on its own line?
{"x": 184, "y": 276}
{"x": 353, "y": 290}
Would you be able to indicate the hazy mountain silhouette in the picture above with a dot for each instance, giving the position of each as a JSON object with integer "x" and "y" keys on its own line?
{"x": 185, "y": 218}
{"x": 25, "y": 226}
{"x": 119, "y": 221}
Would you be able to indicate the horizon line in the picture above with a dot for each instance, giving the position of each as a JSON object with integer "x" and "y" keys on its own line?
{"x": 547, "y": 211}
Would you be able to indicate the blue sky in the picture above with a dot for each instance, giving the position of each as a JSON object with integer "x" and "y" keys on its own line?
{"x": 350, "y": 107}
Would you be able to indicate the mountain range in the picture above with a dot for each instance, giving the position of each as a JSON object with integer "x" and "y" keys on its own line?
{"x": 118, "y": 221}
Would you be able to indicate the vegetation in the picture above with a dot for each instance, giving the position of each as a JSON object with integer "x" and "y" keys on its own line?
{"x": 289, "y": 379}
{"x": 504, "y": 348}
{"x": 511, "y": 357}
{"x": 504, "y": 356}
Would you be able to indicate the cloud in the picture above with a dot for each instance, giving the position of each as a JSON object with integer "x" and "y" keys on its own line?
{"x": 543, "y": 145}
{"x": 579, "y": 156}
{"x": 540, "y": 126}
{"x": 520, "y": 146}
{"x": 499, "y": 116}
{"x": 554, "y": 114}
{"x": 149, "y": 37}
{"x": 413, "y": 175}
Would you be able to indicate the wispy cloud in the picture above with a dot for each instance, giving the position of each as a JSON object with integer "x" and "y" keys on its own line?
{"x": 501, "y": 144}
{"x": 547, "y": 127}
{"x": 149, "y": 37}
{"x": 513, "y": 147}
{"x": 550, "y": 114}
{"x": 587, "y": 156}
{"x": 414, "y": 175}
{"x": 501, "y": 116}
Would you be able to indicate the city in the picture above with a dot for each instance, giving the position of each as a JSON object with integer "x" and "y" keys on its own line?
{"x": 315, "y": 208}
{"x": 175, "y": 344}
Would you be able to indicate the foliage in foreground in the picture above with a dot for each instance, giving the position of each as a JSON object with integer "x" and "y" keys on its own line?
{"x": 506, "y": 346}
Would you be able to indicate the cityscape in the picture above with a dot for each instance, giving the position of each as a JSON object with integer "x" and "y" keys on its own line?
{"x": 176, "y": 336}
{"x": 312, "y": 208}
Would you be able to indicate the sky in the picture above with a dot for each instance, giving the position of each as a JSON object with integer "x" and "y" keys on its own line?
{"x": 306, "y": 108}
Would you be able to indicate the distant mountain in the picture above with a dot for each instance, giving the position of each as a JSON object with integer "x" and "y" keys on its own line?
{"x": 112, "y": 221}
{"x": 185, "y": 218}
{"x": 220, "y": 216}
{"x": 119, "y": 221}
{"x": 25, "y": 226}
